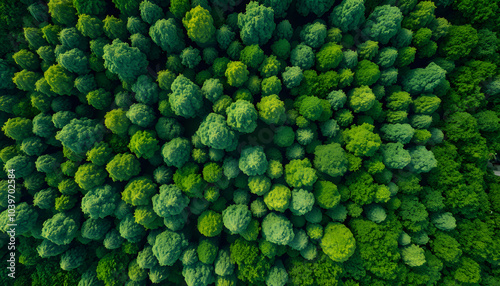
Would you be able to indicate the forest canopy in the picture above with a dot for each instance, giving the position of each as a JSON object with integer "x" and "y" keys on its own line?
{"x": 267, "y": 142}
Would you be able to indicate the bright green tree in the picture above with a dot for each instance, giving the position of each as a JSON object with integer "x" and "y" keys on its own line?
{"x": 338, "y": 242}
{"x": 199, "y": 25}
{"x": 236, "y": 73}
{"x": 361, "y": 140}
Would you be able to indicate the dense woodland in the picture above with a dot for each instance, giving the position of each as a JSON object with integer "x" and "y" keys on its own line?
{"x": 272, "y": 142}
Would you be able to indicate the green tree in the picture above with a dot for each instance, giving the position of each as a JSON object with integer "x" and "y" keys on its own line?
{"x": 444, "y": 221}
{"x": 242, "y": 116}
{"x": 467, "y": 79}
{"x": 189, "y": 179}
{"x": 277, "y": 229}
{"x": 25, "y": 214}
{"x": 361, "y": 141}
{"x": 128, "y": 8}
{"x": 395, "y": 156}
{"x": 386, "y": 57}
{"x": 73, "y": 258}
{"x": 256, "y": 24}
{"x": 212, "y": 172}
{"x": 421, "y": 16}
{"x": 35, "y": 37}
{"x": 422, "y": 160}
{"x": 348, "y": 15}
{"x": 278, "y": 276}
{"x": 302, "y": 56}
{"x": 80, "y": 135}
{"x": 59, "y": 229}
{"x": 461, "y": 126}
{"x": 329, "y": 57}
{"x": 100, "y": 154}
{"x": 210, "y": 224}
{"x": 446, "y": 247}
{"x": 361, "y": 99}
{"x": 367, "y": 73}
{"x": 426, "y": 104}
{"x": 383, "y": 23}
{"x": 168, "y": 35}
{"x": 141, "y": 115}
{"x": 236, "y": 218}
{"x": 168, "y": 128}
{"x": 63, "y": 12}
{"x": 179, "y": 7}
{"x": 198, "y": 274}
{"x": 338, "y": 242}
{"x": 138, "y": 191}
{"x": 313, "y": 34}
{"x": 92, "y": 7}
{"x": 224, "y": 36}
{"x": 143, "y": 43}
{"x": 123, "y": 166}
{"x": 292, "y": 76}
{"x": 302, "y": 202}
{"x": 487, "y": 121}
{"x": 406, "y": 56}
{"x": 168, "y": 247}
{"x": 299, "y": 173}
{"x": 190, "y": 57}
{"x": 125, "y": 61}
{"x": 144, "y": 144}
{"x": 199, "y": 25}
{"x": 26, "y": 60}
{"x": 214, "y": 132}
{"x": 374, "y": 243}
{"x": 165, "y": 79}
{"x": 310, "y": 107}
{"x": 271, "y": 85}
{"x": 186, "y": 97}
{"x": 111, "y": 267}
{"x": 279, "y": 7}
{"x": 61, "y": 81}
{"x": 413, "y": 255}
{"x": 18, "y": 128}
{"x": 99, "y": 98}
{"x": 330, "y": 159}
{"x": 146, "y": 90}
{"x": 281, "y": 49}
{"x": 176, "y": 152}
{"x": 150, "y": 12}
{"x": 259, "y": 185}
{"x": 115, "y": 28}
{"x": 326, "y": 194}
{"x": 117, "y": 121}
{"x": 252, "y": 56}
{"x": 271, "y": 109}
{"x": 170, "y": 201}
{"x": 368, "y": 50}
{"x": 278, "y": 198}
{"x": 100, "y": 202}
{"x": 284, "y": 136}
{"x": 401, "y": 133}
{"x": 459, "y": 42}
{"x": 89, "y": 26}
{"x": 424, "y": 80}
{"x": 477, "y": 11}
{"x": 253, "y": 161}
{"x": 469, "y": 271}
{"x": 236, "y": 73}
